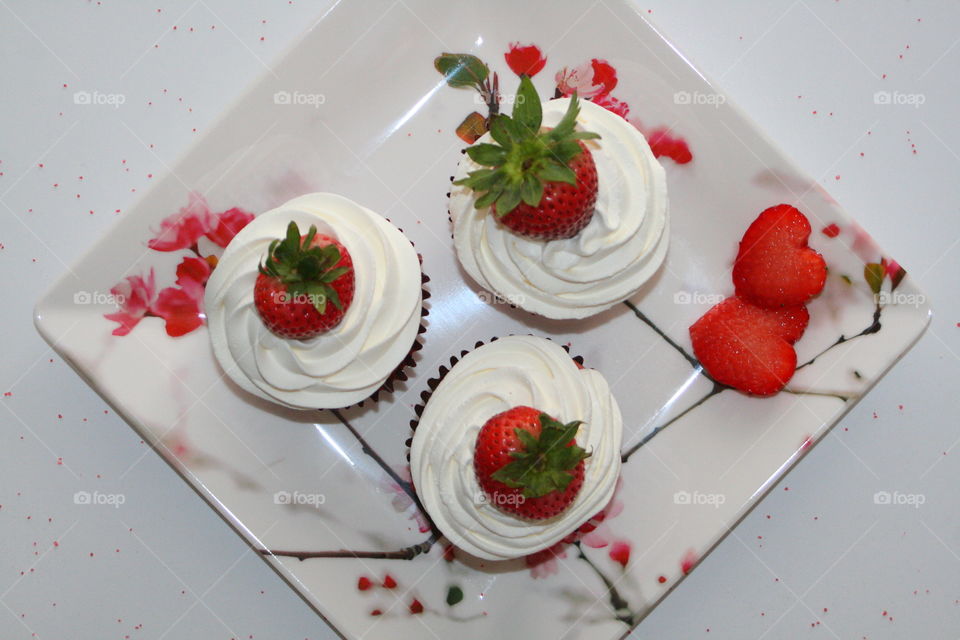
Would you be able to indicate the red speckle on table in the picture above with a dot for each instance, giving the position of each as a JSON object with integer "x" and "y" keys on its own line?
{"x": 875, "y": 416}
{"x": 814, "y": 112}
{"x": 883, "y": 77}
{"x": 416, "y": 607}
{"x": 364, "y": 583}
{"x": 831, "y": 230}
{"x": 662, "y": 579}
{"x": 836, "y": 177}
{"x": 376, "y": 612}
{"x": 786, "y": 488}
{"x": 389, "y": 582}
{"x": 688, "y": 560}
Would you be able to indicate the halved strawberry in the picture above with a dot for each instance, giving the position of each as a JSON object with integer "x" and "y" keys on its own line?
{"x": 774, "y": 266}
{"x": 529, "y": 464}
{"x": 540, "y": 183}
{"x": 747, "y": 347}
{"x": 305, "y": 285}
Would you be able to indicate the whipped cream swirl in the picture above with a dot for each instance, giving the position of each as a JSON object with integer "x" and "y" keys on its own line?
{"x": 513, "y": 371}
{"x": 346, "y": 364}
{"x": 607, "y": 262}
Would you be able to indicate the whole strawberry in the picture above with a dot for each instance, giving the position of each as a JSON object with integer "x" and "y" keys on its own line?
{"x": 529, "y": 464}
{"x": 541, "y": 184}
{"x": 305, "y": 284}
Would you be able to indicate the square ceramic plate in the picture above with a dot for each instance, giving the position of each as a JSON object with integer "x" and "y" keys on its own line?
{"x": 356, "y": 107}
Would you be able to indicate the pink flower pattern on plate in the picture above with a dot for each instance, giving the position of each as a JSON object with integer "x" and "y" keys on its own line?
{"x": 181, "y": 306}
{"x": 182, "y": 229}
{"x": 135, "y": 295}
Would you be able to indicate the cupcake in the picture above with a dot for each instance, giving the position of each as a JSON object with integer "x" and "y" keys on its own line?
{"x": 316, "y": 304}
{"x": 485, "y": 486}
{"x": 561, "y": 209}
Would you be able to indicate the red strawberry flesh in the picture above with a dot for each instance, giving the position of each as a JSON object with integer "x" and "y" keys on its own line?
{"x": 748, "y": 347}
{"x": 775, "y": 266}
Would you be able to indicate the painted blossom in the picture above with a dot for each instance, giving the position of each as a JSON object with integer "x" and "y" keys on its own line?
{"x": 664, "y": 143}
{"x": 612, "y": 104}
{"x": 228, "y": 224}
{"x": 134, "y": 296}
{"x": 528, "y": 60}
{"x": 543, "y": 564}
{"x": 589, "y": 80}
{"x": 402, "y": 502}
{"x": 181, "y": 307}
{"x": 182, "y": 229}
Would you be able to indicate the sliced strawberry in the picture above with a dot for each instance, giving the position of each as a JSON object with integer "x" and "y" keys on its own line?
{"x": 305, "y": 285}
{"x": 748, "y": 347}
{"x": 528, "y": 464}
{"x": 774, "y": 266}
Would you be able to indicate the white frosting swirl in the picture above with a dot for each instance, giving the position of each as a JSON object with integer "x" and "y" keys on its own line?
{"x": 607, "y": 262}
{"x": 346, "y": 364}
{"x": 513, "y": 371}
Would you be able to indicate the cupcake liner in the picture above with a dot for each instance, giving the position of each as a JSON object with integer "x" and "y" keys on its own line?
{"x": 433, "y": 383}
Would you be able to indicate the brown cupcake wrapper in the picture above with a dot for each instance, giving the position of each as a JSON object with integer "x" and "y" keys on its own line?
{"x": 433, "y": 383}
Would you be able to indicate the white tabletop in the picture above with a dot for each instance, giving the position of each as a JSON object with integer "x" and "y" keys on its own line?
{"x": 818, "y": 556}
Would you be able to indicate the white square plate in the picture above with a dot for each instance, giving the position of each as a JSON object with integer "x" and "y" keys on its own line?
{"x": 375, "y": 122}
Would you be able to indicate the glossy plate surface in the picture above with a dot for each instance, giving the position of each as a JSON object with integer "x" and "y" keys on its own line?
{"x": 356, "y": 107}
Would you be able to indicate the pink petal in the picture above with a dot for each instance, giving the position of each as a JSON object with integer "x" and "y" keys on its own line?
{"x": 181, "y": 230}
{"x": 228, "y": 224}
{"x": 180, "y": 310}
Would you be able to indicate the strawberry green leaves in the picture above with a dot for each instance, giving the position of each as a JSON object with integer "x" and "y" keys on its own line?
{"x": 306, "y": 270}
{"x": 522, "y": 157}
{"x": 546, "y": 462}
{"x": 527, "y": 111}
